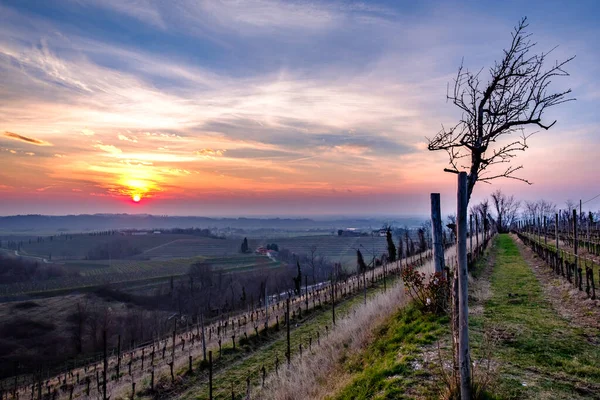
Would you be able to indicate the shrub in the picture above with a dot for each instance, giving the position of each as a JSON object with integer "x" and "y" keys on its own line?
{"x": 430, "y": 294}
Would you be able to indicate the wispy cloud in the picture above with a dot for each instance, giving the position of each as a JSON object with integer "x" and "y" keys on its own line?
{"x": 26, "y": 139}
{"x": 109, "y": 148}
{"x": 127, "y": 138}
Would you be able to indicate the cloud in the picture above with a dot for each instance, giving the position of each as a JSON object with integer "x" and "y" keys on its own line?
{"x": 29, "y": 153}
{"x": 210, "y": 152}
{"x": 59, "y": 155}
{"x": 26, "y": 139}
{"x": 109, "y": 148}
{"x": 127, "y": 139}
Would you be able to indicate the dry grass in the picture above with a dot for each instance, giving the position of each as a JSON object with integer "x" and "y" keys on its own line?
{"x": 321, "y": 374}
{"x": 306, "y": 378}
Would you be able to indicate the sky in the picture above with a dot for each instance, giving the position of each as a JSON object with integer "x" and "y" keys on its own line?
{"x": 271, "y": 107}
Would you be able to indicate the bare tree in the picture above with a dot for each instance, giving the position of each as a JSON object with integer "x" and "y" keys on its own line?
{"x": 507, "y": 208}
{"x": 79, "y": 320}
{"x": 516, "y": 96}
{"x": 571, "y": 205}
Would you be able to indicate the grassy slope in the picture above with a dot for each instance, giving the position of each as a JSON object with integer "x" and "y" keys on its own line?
{"x": 540, "y": 354}
{"x": 384, "y": 370}
{"x": 536, "y": 348}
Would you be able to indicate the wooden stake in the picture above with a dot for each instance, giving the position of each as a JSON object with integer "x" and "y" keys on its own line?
{"x": 463, "y": 315}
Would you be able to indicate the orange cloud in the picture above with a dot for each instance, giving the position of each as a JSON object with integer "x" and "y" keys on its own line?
{"x": 209, "y": 152}
{"x": 26, "y": 139}
{"x": 109, "y": 148}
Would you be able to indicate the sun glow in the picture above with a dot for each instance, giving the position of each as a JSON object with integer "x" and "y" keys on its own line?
{"x": 136, "y": 198}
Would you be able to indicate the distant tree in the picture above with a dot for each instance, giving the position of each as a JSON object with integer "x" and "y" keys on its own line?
{"x": 244, "y": 248}
{"x": 390, "y": 245}
{"x": 340, "y": 232}
{"x": 243, "y": 298}
{"x": 312, "y": 260}
{"x": 507, "y": 208}
{"x": 360, "y": 262}
{"x": 298, "y": 280}
{"x": 400, "y": 250}
{"x": 407, "y": 243}
{"x": 451, "y": 225}
{"x": 422, "y": 240}
{"x": 79, "y": 320}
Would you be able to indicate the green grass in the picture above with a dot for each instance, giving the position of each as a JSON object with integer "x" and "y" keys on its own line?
{"x": 540, "y": 354}
{"x": 384, "y": 370}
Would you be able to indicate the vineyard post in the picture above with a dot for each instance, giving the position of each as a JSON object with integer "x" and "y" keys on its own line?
{"x": 203, "y": 336}
{"x": 436, "y": 231}
{"x": 118, "y": 357}
{"x": 545, "y": 230}
{"x": 384, "y": 284}
{"x": 210, "y": 375}
{"x": 287, "y": 327}
{"x": 471, "y": 234}
{"x": 575, "y": 243}
{"x": 556, "y": 231}
{"x": 333, "y": 299}
{"x": 463, "y": 355}
{"x": 476, "y": 234}
{"x": 306, "y": 290}
{"x": 104, "y": 396}
{"x": 173, "y": 348}
{"x": 589, "y": 244}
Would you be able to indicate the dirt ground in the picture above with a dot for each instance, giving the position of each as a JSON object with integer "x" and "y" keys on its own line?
{"x": 569, "y": 302}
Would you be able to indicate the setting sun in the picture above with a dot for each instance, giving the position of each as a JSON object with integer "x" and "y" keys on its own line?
{"x": 136, "y": 198}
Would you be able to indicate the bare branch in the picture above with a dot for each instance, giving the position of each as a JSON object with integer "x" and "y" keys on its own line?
{"x": 515, "y": 97}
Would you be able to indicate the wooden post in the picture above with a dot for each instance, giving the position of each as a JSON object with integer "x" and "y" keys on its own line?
{"x": 104, "y": 394}
{"x": 575, "y": 243}
{"x": 306, "y": 291}
{"x": 173, "y": 348}
{"x": 118, "y": 358}
{"x": 333, "y": 299}
{"x": 248, "y": 388}
{"x": 436, "y": 232}
{"x": 132, "y": 390}
{"x": 471, "y": 235}
{"x": 203, "y": 337}
{"x": 210, "y": 375}
{"x": 288, "y": 353}
{"x": 476, "y": 234}
{"x": 545, "y": 230}
{"x": 464, "y": 353}
{"x": 556, "y": 231}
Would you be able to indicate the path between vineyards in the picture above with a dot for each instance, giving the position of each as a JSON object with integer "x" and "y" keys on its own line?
{"x": 541, "y": 345}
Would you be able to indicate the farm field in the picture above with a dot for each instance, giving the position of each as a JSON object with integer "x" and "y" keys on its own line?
{"x": 340, "y": 249}
{"x": 103, "y": 272}
{"x": 66, "y": 247}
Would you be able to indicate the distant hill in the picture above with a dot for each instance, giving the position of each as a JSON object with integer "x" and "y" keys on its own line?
{"x": 98, "y": 222}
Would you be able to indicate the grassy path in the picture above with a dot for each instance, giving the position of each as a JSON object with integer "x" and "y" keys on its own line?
{"x": 540, "y": 355}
